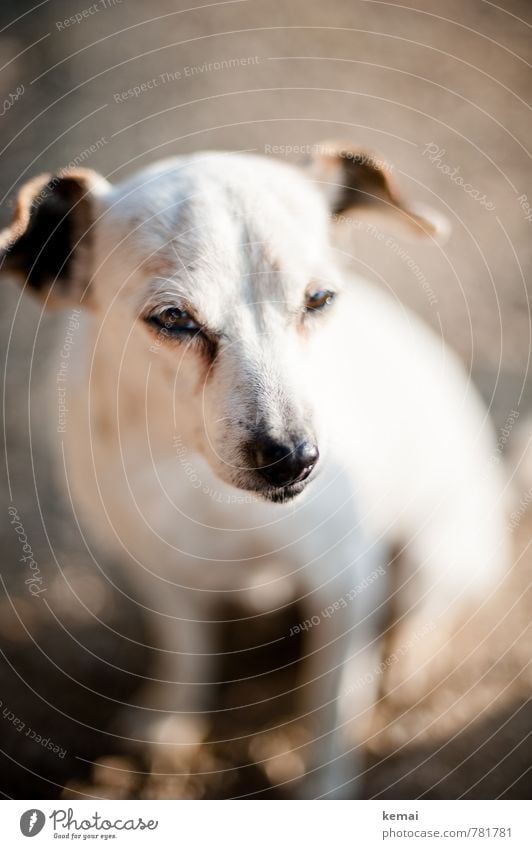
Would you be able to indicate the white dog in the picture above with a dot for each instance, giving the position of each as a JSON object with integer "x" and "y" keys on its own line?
{"x": 239, "y": 402}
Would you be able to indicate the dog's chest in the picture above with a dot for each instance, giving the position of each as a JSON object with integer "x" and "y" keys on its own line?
{"x": 183, "y": 524}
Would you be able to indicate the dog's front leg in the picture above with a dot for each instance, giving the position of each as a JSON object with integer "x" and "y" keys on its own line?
{"x": 340, "y": 670}
{"x": 168, "y": 716}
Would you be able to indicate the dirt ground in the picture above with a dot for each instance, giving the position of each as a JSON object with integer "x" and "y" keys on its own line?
{"x": 404, "y": 80}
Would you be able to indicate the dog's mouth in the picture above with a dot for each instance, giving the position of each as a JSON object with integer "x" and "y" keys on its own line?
{"x": 280, "y": 494}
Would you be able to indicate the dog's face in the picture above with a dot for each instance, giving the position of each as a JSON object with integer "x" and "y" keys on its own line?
{"x": 226, "y": 271}
{"x": 218, "y": 270}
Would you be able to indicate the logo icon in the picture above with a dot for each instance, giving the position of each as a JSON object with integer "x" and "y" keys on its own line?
{"x": 32, "y": 822}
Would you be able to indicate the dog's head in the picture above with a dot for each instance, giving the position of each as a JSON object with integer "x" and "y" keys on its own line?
{"x": 217, "y": 269}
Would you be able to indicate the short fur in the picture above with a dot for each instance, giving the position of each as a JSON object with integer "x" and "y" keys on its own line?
{"x": 159, "y": 428}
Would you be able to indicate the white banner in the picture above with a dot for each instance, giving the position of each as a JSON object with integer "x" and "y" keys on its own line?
{"x": 268, "y": 824}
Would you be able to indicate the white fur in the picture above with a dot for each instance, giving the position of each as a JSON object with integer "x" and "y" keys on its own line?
{"x": 153, "y": 440}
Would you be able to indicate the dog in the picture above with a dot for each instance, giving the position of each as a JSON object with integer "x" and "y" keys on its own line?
{"x": 246, "y": 415}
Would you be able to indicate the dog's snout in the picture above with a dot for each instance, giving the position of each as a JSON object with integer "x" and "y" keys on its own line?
{"x": 281, "y": 464}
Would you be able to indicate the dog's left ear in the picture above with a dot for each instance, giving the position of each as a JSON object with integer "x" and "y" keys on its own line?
{"x": 48, "y": 245}
{"x": 357, "y": 185}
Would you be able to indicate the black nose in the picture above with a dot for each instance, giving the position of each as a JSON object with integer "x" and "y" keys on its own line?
{"x": 283, "y": 463}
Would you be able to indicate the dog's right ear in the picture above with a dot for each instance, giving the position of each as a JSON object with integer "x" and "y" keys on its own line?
{"x": 357, "y": 185}
{"x": 48, "y": 245}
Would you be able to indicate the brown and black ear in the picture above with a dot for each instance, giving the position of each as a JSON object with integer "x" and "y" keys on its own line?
{"x": 357, "y": 184}
{"x": 48, "y": 245}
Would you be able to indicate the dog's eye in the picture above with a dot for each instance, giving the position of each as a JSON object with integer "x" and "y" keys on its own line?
{"x": 319, "y": 300}
{"x": 174, "y": 321}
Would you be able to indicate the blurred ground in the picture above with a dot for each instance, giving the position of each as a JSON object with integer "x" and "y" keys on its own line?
{"x": 393, "y": 78}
